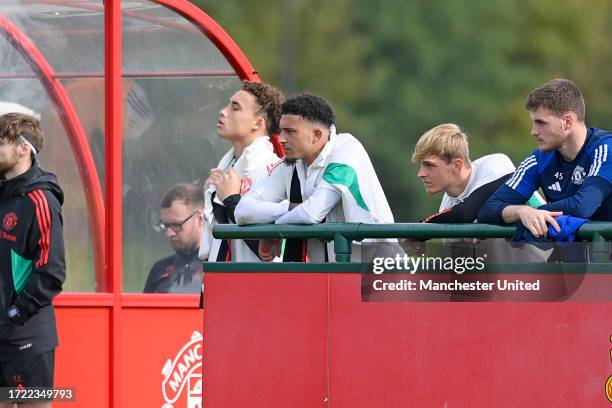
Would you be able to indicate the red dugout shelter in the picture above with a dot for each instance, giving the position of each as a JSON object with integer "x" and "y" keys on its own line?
{"x": 129, "y": 93}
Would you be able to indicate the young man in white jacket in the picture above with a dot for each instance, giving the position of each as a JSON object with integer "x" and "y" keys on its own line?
{"x": 324, "y": 176}
{"x": 250, "y": 117}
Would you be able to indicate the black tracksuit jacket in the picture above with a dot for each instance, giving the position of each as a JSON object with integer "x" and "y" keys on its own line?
{"x": 32, "y": 265}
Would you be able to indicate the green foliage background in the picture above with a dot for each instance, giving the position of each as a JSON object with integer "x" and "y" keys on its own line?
{"x": 395, "y": 68}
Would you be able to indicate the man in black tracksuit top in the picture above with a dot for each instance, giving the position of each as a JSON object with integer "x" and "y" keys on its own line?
{"x": 32, "y": 266}
{"x": 182, "y": 222}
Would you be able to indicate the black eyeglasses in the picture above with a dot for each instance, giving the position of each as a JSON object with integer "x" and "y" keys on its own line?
{"x": 174, "y": 226}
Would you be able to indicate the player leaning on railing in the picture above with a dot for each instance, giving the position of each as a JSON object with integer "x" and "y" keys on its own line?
{"x": 445, "y": 166}
{"x": 324, "y": 176}
{"x": 571, "y": 165}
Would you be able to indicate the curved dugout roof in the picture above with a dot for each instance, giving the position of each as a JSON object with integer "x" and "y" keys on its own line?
{"x": 70, "y": 34}
{"x": 175, "y": 80}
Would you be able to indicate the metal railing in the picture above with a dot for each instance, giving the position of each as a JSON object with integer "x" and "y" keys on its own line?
{"x": 343, "y": 234}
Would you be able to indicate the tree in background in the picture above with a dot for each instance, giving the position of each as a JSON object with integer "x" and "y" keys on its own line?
{"x": 394, "y": 68}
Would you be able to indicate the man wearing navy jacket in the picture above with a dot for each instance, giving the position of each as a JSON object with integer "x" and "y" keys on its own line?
{"x": 572, "y": 165}
{"x": 32, "y": 266}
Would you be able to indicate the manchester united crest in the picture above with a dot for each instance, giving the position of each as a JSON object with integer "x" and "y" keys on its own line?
{"x": 578, "y": 175}
{"x": 10, "y": 221}
{"x": 609, "y": 381}
{"x": 183, "y": 375}
{"x": 245, "y": 186}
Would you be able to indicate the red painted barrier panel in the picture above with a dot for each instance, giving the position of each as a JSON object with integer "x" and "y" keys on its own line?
{"x": 82, "y": 358}
{"x": 466, "y": 354}
{"x": 161, "y": 354}
{"x": 268, "y": 340}
{"x": 306, "y": 340}
{"x": 161, "y": 361}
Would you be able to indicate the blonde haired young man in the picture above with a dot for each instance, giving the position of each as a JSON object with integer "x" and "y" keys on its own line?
{"x": 445, "y": 166}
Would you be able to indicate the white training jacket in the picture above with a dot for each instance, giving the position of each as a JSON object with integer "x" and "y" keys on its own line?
{"x": 339, "y": 186}
{"x": 252, "y": 163}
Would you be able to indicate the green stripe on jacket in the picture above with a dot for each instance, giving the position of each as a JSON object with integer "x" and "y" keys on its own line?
{"x": 345, "y": 175}
{"x": 22, "y": 269}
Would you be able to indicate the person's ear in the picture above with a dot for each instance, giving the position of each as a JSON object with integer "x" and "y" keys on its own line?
{"x": 317, "y": 135}
{"x": 568, "y": 121}
{"x": 200, "y": 217}
{"x": 457, "y": 165}
{"x": 23, "y": 150}
{"x": 260, "y": 123}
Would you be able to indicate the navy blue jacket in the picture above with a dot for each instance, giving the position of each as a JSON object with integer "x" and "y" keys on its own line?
{"x": 580, "y": 188}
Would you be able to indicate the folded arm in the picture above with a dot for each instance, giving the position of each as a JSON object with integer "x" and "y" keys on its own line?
{"x": 314, "y": 209}
{"x": 586, "y": 201}
{"x": 252, "y": 210}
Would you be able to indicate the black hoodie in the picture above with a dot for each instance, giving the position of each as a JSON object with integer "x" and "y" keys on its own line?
{"x": 32, "y": 265}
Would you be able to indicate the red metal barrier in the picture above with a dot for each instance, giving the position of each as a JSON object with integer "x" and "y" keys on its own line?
{"x": 297, "y": 339}
{"x": 269, "y": 349}
{"x": 161, "y": 350}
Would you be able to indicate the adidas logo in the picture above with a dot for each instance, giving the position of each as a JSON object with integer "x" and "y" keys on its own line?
{"x": 555, "y": 186}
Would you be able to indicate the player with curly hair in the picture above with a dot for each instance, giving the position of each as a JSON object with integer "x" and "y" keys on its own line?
{"x": 247, "y": 122}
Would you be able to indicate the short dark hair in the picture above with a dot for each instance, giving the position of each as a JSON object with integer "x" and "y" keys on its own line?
{"x": 186, "y": 192}
{"x": 310, "y": 107}
{"x": 559, "y": 96}
{"x": 14, "y": 125}
{"x": 268, "y": 103}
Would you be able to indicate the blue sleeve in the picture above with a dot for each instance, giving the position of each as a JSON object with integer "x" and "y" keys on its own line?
{"x": 525, "y": 178}
{"x": 600, "y": 165}
{"x": 491, "y": 211}
{"x": 586, "y": 201}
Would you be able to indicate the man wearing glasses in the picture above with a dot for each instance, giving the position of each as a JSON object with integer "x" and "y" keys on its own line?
{"x": 182, "y": 223}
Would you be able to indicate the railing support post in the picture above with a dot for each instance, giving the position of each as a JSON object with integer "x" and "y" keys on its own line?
{"x": 342, "y": 248}
{"x": 600, "y": 249}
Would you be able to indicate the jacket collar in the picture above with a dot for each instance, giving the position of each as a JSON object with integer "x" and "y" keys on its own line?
{"x": 187, "y": 257}
{"x": 13, "y": 185}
